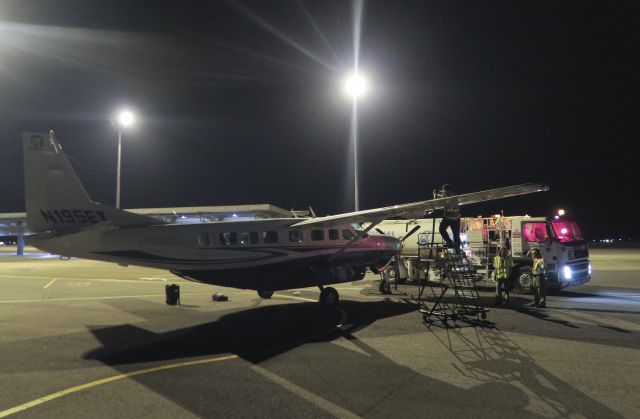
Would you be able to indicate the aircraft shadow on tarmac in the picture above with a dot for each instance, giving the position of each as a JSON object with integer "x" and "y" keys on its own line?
{"x": 360, "y": 379}
{"x": 255, "y": 334}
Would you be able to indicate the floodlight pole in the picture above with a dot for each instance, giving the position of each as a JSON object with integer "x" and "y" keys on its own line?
{"x": 354, "y": 134}
{"x": 118, "y": 169}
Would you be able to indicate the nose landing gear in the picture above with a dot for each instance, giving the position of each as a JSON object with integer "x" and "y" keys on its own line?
{"x": 328, "y": 296}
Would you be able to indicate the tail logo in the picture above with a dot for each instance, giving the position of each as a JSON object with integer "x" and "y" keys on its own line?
{"x": 75, "y": 216}
{"x": 36, "y": 143}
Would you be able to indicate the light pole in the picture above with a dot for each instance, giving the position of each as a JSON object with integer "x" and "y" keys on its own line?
{"x": 125, "y": 119}
{"x": 355, "y": 86}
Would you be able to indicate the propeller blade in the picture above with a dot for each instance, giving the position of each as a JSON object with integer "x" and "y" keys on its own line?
{"x": 410, "y": 233}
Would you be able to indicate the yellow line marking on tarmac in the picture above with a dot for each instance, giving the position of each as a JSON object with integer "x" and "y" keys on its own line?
{"x": 96, "y": 298}
{"x": 314, "y": 399}
{"x": 107, "y": 380}
{"x": 51, "y": 282}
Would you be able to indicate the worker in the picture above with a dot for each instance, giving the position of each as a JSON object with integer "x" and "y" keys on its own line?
{"x": 502, "y": 264}
{"x": 539, "y": 280}
{"x": 451, "y": 218}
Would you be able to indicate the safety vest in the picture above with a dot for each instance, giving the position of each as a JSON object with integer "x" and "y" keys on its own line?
{"x": 502, "y": 267}
{"x": 538, "y": 266}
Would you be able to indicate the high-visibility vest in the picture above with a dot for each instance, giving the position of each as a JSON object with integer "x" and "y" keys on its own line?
{"x": 538, "y": 266}
{"x": 502, "y": 266}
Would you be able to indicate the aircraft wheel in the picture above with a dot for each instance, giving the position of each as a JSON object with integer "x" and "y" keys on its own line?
{"x": 265, "y": 294}
{"x": 384, "y": 287}
{"x": 329, "y": 297}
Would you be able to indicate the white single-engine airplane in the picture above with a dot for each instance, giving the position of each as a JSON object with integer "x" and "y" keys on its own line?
{"x": 263, "y": 255}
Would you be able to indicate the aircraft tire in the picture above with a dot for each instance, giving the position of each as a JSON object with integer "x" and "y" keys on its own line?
{"x": 384, "y": 287}
{"x": 329, "y": 297}
{"x": 265, "y": 294}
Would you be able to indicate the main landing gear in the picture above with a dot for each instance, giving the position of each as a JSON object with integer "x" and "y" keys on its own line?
{"x": 265, "y": 294}
{"x": 328, "y": 296}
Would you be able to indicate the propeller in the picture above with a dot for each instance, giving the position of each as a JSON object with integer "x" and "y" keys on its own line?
{"x": 410, "y": 233}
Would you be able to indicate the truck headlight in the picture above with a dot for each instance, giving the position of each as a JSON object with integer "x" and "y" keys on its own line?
{"x": 589, "y": 268}
{"x": 567, "y": 272}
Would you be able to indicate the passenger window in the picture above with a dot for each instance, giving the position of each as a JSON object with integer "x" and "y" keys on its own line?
{"x": 334, "y": 234}
{"x": 348, "y": 235}
{"x": 270, "y": 237}
{"x": 204, "y": 239}
{"x": 244, "y": 239}
{"x": 317, "y": 235}
{"x": 296, "y": 235}
{"x": 253, "y": 237}
{"x": 228, "y": 239}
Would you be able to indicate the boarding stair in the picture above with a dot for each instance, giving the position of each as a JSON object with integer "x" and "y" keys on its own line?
{"x": 457, "y": 277}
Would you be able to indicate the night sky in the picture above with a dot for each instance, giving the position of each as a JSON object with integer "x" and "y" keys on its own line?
{"x": 241, "y": 102}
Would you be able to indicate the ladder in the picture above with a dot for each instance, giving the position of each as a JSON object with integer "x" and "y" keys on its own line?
{"x": 456, "y": 274}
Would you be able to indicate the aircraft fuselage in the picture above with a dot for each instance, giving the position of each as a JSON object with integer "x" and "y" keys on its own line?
{"x": 257, "y": 254}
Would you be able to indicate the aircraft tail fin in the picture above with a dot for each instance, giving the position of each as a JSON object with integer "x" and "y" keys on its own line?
{"x": 55, "y": 197}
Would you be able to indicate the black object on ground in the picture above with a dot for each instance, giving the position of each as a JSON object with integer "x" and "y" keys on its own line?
{"x": 172, "y": 293}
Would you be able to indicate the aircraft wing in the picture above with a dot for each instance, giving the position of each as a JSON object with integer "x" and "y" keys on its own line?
{"x": 418, "y": 209}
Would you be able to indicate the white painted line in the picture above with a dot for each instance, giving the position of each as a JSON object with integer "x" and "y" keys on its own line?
{"x": 296, "y": 298}
{"x": 96, "y": 298}
{"x": 107, "y": 380}
{"x": 70, "y": 278}
{"x": 153, "y": 278}
{"x": 314, "y": 399}
{"x": 51, "y": 282}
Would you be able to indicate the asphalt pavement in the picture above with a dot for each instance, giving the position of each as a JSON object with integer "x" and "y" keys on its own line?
{"x": 82, "y": 338}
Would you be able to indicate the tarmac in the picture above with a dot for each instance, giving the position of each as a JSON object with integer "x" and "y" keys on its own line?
{"x": 81, "y": 338}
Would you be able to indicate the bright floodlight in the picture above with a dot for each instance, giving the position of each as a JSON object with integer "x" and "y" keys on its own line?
{"x": 125, "y": 118}
{"x": 356, "y": 85}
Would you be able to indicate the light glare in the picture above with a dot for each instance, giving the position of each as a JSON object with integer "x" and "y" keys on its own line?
{"x": 126, "y": 118}
{"x": 356, "y": 85}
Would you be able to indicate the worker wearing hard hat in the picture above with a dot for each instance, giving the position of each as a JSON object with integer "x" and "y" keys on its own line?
{"x": 502, "y": 264}
{"x": 539, "y": 280}
{"x": 451, "y": 218}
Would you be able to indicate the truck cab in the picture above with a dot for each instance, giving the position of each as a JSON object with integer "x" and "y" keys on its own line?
{"x": 560, "y": 241}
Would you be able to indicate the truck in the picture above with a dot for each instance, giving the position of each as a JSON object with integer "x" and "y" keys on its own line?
{"x": 559, "y": 240}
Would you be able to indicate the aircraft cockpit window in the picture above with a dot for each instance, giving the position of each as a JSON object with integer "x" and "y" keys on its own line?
{"x": 228, "y": 239}
{"x": 317, "y": 235}
{"x": 348, "y": 235}
{"x": 296, "y": 235}
{"x": 270, "y": 237}
{"x": 334, "y": 234}
{"x": 357, "y": 226}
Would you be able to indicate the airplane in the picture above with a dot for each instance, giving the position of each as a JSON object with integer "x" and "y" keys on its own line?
{"x": 265, "y": 255}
